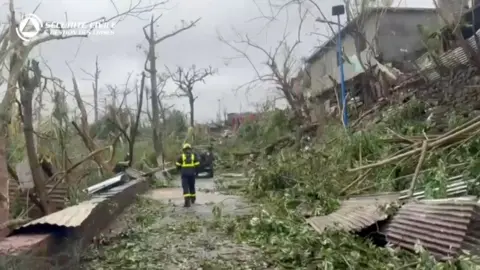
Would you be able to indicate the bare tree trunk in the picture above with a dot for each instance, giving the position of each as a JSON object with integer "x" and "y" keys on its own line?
{"x": 297, "y": 110}
{"x": 16, "y": 63}
{"x": 29, "y": 85}
{"x": 17, "y": 59}
{"x": 35, "y": 167}
{"x": 157, "y": 143}
{"x": 38, "y": 109}
{"x": 4, "y": 181}
{"x": 191, "y": 102}
{"x": 163, "y": 115}
{"x": 136, "y": 122}
{"x": 186, "y": 80}
{"x": 84, "y": 128}
{"x": 95, "y": 89}
{"x": 152, "y": 70}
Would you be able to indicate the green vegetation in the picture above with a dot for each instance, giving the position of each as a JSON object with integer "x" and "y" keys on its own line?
{"x": 290, "y": 183}
{"x": 160, "y": 238}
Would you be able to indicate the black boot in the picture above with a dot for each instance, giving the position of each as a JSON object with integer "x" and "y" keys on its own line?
{"x": 193, "y": 199}
{"x": 187, "y": 202}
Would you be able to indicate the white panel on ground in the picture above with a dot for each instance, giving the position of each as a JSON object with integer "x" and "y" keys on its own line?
{"x": 24, "y": 174}
{"x": 109, "y": 182}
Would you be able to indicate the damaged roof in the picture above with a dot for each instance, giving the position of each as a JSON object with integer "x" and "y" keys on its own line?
{"x": 443, "y": 227}
{"x": 360, "y": 212}
{"x": 72, "y": 216}
{"x": 356, "y": 213}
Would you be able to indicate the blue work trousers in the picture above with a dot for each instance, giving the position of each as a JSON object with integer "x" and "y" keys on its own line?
{"x": 188, "y": 185}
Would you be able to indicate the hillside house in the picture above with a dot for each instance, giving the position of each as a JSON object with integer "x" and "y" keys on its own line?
{"x": 392, "y": 32}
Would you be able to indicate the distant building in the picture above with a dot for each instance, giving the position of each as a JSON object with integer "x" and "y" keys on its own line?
{"x": 236, "y": 119}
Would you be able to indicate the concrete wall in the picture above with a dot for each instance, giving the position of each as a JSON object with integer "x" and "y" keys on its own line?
{"x": 452, "y": 10}
{"x": 398, "y": 30}
{"x": 327, "y": 63}
{"x": 388, "y": 33}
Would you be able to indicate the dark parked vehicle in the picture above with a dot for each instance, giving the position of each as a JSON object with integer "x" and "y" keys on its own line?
{"x": 206, "y": 161}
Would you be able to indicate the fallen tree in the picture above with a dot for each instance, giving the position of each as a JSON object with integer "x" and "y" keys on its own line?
{"x": 290, "y": 185}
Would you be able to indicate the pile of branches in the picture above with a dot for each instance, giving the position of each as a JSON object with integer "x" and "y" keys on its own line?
{"x": 421, "y": 146}
{"x": 394, "y": 155}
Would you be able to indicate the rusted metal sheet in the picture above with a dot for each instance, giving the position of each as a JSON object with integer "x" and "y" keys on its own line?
{"x": 443, "y": 227}
{"x": 362, "y": 211}
{"x": 356, "y": 213}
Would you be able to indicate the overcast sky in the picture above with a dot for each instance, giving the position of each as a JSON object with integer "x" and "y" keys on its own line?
{"x": 119, "y": 54}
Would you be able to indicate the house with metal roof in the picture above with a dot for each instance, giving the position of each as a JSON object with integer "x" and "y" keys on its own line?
{"x": 391, "y": 35}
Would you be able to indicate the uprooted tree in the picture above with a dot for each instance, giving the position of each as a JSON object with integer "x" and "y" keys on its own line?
{"x": 185, "y": 80}
{"x": 151, "y": 68}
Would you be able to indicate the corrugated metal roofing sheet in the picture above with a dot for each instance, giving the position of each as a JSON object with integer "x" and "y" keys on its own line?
{"x": 355, "y": 214}
{"x": 443, "y": 227}
{"x": 362, "y": 211}
{"x": 452, "y": 59}
{"x": 72, "y": 216}
{"x": 456, "y": 187}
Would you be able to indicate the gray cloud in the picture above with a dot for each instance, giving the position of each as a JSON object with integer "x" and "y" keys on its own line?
{"x": 119, "y": 55}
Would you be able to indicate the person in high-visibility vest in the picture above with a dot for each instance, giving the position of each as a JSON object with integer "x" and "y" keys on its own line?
{"x": 188, "y": 163}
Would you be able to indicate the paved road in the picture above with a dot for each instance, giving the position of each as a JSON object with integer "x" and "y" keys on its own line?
{"x": 180, "y": 238}
{"x": 207, "y": 198}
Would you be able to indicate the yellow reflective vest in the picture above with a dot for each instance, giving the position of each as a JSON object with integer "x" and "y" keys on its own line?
{"x": 187, "y": 163}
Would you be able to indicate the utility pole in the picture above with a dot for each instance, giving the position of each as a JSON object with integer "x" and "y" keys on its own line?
{"x": 337, "y": 11}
